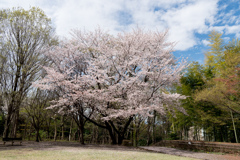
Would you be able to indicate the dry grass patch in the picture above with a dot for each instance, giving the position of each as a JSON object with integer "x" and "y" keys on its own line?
{"x": 83, "y": 154}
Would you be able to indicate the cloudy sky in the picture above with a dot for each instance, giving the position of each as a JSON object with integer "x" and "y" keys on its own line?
{"x": 189, "y": 21}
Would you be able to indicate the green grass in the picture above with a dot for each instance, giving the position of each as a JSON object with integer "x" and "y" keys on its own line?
{"x": 83, "y": 154}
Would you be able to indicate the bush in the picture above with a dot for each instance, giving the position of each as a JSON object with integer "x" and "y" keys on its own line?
{"x": 142, "y": 142}
{"x": 173, "y": 136}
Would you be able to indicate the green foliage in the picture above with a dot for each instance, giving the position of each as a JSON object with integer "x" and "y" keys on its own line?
{"x": 142, "y": 142}
{"x": 43, "y": 134}
{"x": 24, "y": 35}
{"x": 214, "y": 57}
{"x": 212, "y": 89}
{"x": 222, "y": 61}
{"x": 192, "y": 81}
{"x": 173, "y": 136}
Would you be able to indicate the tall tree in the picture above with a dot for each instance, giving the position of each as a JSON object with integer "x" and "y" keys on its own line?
{"x": 214, "y": 57}
{"x": 24, "y": 36}
{"x": 221, "y": 90}
{"x": 191, "y": 82}
{"x": 125, "y": 75}
{"x": 35, "y": 109}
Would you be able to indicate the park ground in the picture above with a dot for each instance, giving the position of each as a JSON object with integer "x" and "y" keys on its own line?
{"x": 75, "y": 151}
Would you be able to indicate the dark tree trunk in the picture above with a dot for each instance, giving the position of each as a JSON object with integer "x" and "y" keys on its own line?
{"x": 62, "y": 126}
{"x": 70, "y": 131}
{"x": 7, "y": 126}
{"x": 112, "y": 136}
{"x": 37, "y": 135}
{"x": 81, "y": 136}
{"x": 120, "y": 139}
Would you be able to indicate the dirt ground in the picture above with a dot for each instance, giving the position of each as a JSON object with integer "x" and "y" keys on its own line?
{"x": 185, "y": 153}
{"x": 75, "y": 145}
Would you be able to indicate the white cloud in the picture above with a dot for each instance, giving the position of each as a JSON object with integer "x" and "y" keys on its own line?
{"x": 85, "y": 14}
{"x": 185, "y": 21}
{"x": 205, "y": 42}
{"x": 232, "y": 29}
{"x": 235, "y": 29}
{"x": 226, "y": 29}
{"x": 182, "y": 17}
{"x": 220, "y": 29}
{"x": 226, "y": 39}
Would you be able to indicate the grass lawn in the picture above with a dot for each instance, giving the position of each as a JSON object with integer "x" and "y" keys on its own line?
{"x": 83, "y": 154}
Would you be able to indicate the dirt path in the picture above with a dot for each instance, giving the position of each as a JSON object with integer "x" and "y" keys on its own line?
{"x": 185, "y": 153}
{"x": 76, "y": 146}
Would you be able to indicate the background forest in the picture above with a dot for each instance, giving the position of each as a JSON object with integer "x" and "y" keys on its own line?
{"x": 112, "y": 89}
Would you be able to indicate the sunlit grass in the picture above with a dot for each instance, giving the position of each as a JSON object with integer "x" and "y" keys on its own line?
{"x": 83, "y": 154}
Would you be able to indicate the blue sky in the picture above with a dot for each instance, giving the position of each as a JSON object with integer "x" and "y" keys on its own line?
{"x": 189, "y": 21}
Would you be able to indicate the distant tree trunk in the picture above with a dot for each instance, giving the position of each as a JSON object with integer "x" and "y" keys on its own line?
{"x": 74, "y": 135}
{"x": 105, "y": 137}
{"x": 235, "y": 133}
{"x": 96, "y": 134}
{"x": 48, "y": 127}
{"x": 134, "y": 134}
{"x": 154, "y": 128}
{"x": 55, "y": 129}
{"x": 25, "y": 131}
{"x": 94, "y": 138}
{"x": 70, "y": 131}
{"x": 29, "y": 133}
{"x": 62, "y": 126}
{"x": 149, "y": 131}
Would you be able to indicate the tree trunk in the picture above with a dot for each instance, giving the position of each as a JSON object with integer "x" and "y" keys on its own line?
{"x": 235, "y": 133}
{"x": 62, "y": 126}
{"x": 120, "y": 139}
{"x": 37, "y": 135}
{"x": 55, "y": 129}
{"x": 134, "y": 134}
{"x": 70, "y": 131}
{"x": 7, "y": 126}
{"x": 15, "y": 124}
{"x": 154, "y": 128}
{"x": 48, "y": 128}
{"x": 81, "y": 136}
{"x": 149, "y": 131}
{"x": 112, "y": 136}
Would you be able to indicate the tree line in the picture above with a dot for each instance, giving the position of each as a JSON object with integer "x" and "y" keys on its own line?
{"x": 111, "y": 89}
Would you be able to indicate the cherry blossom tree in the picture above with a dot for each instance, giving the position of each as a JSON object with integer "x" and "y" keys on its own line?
{"x": 114, "y": 77}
